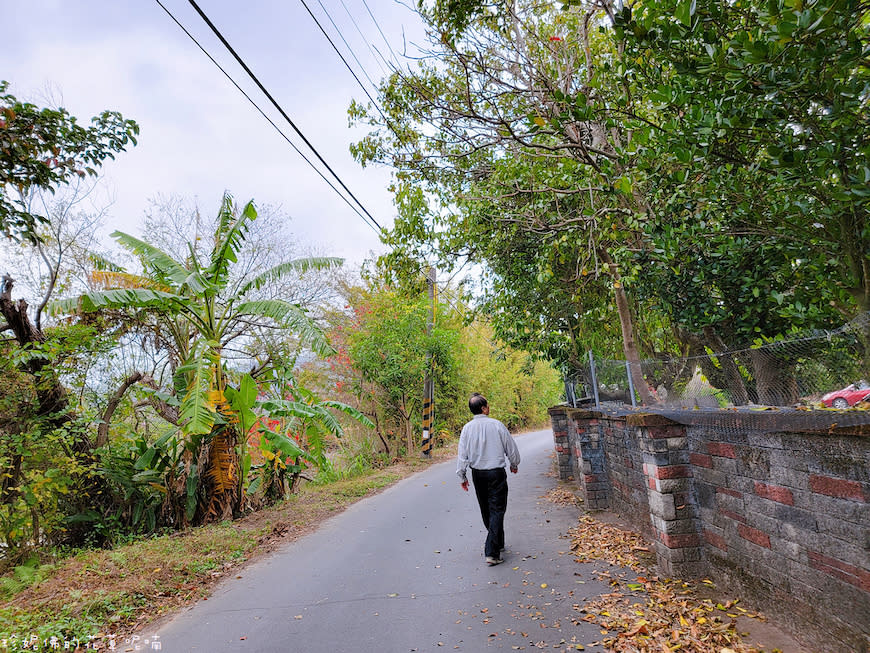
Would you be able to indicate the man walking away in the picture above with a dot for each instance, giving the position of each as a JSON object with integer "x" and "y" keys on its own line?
{"x": 483, "y": 445}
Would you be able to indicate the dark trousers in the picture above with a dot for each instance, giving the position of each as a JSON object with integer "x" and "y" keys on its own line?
{"x": 491, "y": 488}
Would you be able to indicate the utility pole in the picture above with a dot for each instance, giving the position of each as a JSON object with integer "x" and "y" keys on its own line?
{"x": 428, "y": 383}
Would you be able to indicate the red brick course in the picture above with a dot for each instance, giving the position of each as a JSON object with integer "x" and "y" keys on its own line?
{"x": 754, "y": 535}
{"x": 716, "y": 540}
{"x": 721, "y": 449}
{"x": 661, "y": 432}
{"x": 673, "y": 471}
{"x": 774, "y": 493}
{"x": 680, "y": 540}
{"x": 701, "y": 460}
{"x": 837, "y": 487}
{"x": 732, "y": 515}
{"x": 853, "y": 575}
{"x": 729, "y": 492}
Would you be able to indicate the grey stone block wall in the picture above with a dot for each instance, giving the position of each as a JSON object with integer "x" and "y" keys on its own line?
{"x": 782, "y": 517}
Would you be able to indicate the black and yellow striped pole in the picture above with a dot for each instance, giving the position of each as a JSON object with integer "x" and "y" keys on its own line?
{"x": 428, "y": 383}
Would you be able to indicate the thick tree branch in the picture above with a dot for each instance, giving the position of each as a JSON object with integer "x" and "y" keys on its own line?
{"x": 103, "y": 428}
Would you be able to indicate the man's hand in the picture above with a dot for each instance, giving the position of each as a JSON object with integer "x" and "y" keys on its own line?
{"x": 513, "y": 469}
{"x": 464, "y": 485}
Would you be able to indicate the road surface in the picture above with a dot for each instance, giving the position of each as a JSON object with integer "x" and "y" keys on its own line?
{"x": 404, "y": 571}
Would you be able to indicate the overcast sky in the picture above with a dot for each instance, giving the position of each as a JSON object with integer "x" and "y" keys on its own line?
{"x": 199, "y": 135}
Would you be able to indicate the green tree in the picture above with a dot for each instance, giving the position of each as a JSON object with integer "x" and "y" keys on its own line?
{"x": 758, "y": 169}
{"x": 516, "y": 130}
{"x": 42, "y": 148}
{"x": 770, "y": 95}
{"x": 624, "y": 139}
{"x": 200, "y": 309}
{"x": 386, "y": 347}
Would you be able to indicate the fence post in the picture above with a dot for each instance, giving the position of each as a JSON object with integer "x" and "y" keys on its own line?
{"x": 570, "y": 396}
{"x": 630, "y": 384}
{"x": 594, "y": 380}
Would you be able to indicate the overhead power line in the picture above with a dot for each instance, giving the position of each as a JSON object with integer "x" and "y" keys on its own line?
{"x": 374, "y": 53}
{"x": 365, "y": 216}
{"x": 343, "y": 40}
{"x": 268, "y": 119}
{"x": 340, "y": 56}
{"x": 280, "y": 109}
{"x": 375, "y": 21}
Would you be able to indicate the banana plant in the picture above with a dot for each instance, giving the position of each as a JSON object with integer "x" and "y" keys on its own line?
{"x": 292, "y": 435}
{"x": 199, "y": 309}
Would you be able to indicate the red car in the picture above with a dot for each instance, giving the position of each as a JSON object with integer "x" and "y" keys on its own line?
{"x": 848, "y": 396}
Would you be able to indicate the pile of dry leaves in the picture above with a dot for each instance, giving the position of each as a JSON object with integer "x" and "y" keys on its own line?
{"x": 562, "y": 496}
{"x": 647, "y": 613}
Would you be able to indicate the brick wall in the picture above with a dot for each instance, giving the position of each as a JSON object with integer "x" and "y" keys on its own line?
{"x": 781, "y": 517}
{"x": 625, "y": 471}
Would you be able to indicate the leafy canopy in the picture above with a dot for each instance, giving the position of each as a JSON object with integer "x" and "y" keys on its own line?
{"x": 42, "y": 148}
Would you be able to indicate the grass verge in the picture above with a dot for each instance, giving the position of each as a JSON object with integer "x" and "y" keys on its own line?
{"x": 102, "y": 595}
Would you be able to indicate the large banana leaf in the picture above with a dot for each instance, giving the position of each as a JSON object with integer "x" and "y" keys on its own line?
{"x": 156, "y": 258}
{"x": 120, "y": 298}
{"x": 286, "y": 446}
{"x": 301, "y": 410}
{"x": 197, "y": 415}
{"x": 298, "y": 266}
{"x": 242, "y": 401}
{"x": 231, "y": 234}
{"x": 290, "y": 316}
{"x": 350, "y": 411}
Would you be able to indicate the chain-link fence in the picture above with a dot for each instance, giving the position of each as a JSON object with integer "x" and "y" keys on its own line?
{"x": 815, "y": 380}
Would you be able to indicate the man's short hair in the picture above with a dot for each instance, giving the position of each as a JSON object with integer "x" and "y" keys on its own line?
{"x": 477, "y": 403}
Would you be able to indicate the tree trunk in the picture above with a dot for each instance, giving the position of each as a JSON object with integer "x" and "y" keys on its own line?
{"x": 222, "y": 475}
{"x": 111, "y": 407}
{"x": 409, "y": 434}
{"x": 629, "y": 344}
{"x": 774, "y": 379}
{"x": 377, "y": 422}
{"x": 51, "y": 396}
{"x": 733, "y": 379}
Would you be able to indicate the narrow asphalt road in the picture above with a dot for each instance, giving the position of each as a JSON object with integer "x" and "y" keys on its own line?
{"x": 404, "y": 571}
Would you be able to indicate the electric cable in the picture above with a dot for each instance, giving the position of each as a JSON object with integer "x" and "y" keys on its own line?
{"x": 343, "y": 40}
{"x": 268, "y": 119}
{"x": 372, "y": 50}
{"x": 375, "y": 21}
{"x": 287, "y": 118}
{"x": 344, "y": 61}
{"x": 280, "y": 109}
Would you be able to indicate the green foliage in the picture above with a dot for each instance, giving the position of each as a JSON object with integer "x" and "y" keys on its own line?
{"x": 142, "y": 477}
{"x": 43, "y": 473}
{"x": 292, "y": 425}
{"x": 45, "y": 148}
{"x": 382, "y": 347}
{"x": 518, "y": 387}
{"x": 25, "y": 575}
{"x": 708, "y": 158}
{"x": 199, "y": 310}
{"x": 387, "y": 344}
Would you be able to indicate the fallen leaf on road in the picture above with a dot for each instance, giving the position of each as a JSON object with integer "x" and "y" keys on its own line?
{"x": 672, "y": 616}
